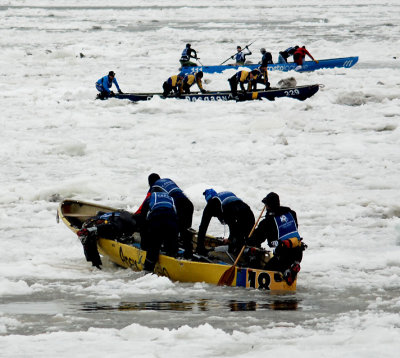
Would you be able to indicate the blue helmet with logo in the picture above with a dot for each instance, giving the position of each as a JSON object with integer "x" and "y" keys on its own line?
{"x": 209, "y": 194}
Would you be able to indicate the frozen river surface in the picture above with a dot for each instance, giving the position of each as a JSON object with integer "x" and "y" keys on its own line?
{"x": 333, "y": 158}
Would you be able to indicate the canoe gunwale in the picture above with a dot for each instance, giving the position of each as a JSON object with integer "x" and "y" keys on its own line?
{"x": 176, "y": 269}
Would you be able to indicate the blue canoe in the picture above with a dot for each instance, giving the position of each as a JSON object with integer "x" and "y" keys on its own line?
{"x": 345, "y": 62}
{"x": 299, "y": 92}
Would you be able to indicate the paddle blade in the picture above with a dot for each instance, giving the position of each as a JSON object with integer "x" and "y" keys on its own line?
{"x": 227, "y": 277}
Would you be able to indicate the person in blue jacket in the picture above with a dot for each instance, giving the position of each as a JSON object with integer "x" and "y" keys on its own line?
{"x": 229, "y": 210}
{"x": 104, "y": 84}
{"x": 279, "y": 227}
{"x": 160, "y": 228}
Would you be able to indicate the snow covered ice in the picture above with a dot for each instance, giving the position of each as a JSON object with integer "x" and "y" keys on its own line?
{"x": 333, "y": 158}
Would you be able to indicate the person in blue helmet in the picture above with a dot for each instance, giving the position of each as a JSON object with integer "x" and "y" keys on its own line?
{"x": 159, "y": 228}
{"x": 280, "y": 229}
{"x": 104, "y": 84}
{"x": 229, "y": 210}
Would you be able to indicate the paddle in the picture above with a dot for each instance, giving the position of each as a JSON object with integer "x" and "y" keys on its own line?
{"x": 228, "y": 276}
{"x": 235, "y": 54}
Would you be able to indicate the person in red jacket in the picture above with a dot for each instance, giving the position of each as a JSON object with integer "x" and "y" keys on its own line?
{"x": 300, "y": 54}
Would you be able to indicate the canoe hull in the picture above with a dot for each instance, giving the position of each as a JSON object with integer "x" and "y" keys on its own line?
{"x": 73, "y": 213}
{"x": 299, "y": 92}
{"x": 344, "y": 62}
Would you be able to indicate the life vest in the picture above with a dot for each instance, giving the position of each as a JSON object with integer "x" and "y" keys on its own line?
{"x": 287, "y": 230}
{"x": 189, "y": 80}
{"x": 160, "y": 200}
{"x": 242, "y": 76}
{"x": 103, "y": 218}
{"x": 174, "y": 81}
{"x": 167, "y": 185}
{"x": 226, "y": 197}
{"x": 185, "y": 55}
{"x": 240, "y": 57}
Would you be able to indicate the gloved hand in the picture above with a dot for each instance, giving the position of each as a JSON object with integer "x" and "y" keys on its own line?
{"x": 247, "y": 47}
{"x": 120, "y": 92}
{"x": 112, "y": 94}
{"x": 316, "y": 61}
{"x": 267, "y": 85}
{"x": 232, "y": 57}
{"x": 203, "y": 91}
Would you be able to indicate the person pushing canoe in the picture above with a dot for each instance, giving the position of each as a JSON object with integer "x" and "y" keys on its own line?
{"x": 190, "y": 79}
{"x": 104, "y": 84}
{"x": 243, "y": 77}
{"x": 173, "y": 83}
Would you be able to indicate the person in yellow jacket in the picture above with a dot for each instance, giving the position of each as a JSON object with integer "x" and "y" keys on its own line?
{"x": 190, "y": 80}
{"x": 173, "y": 83}
{"x": 243, "y": 77}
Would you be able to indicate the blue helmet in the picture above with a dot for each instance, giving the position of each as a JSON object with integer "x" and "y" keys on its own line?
{"x": 209, "y": 194}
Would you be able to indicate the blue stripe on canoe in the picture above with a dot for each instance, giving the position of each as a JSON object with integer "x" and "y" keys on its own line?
{"x": 345, "y": 62}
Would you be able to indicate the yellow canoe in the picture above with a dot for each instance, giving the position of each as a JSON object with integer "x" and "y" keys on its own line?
{"x": 73, "y": 213}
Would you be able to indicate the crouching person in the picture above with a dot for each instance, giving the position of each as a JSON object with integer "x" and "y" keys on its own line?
{"x": 160, "y": 228}
{"x": 113, "y": 225}
{"x": 279, "y": 227}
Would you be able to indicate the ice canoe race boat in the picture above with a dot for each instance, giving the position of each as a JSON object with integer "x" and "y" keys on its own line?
{"x": 345, "y": 62}
{"x": 298, "y": 92}
{"x": 129, "y": 255}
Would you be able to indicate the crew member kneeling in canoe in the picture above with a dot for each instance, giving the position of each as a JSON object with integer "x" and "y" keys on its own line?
{"x": 285, "y": 54}
{"x": 241, "y": 78}
{"x": 173, "y": 83}
{"x": 160, "y": 228}
{"x": 299, "y": 56}
{"x": 230, "y": 210}
{"x": 104, "y": 84}
{"x": 190, "y": 80}
{"x": 279, "y": 227}
{"x": 117, "y": 225}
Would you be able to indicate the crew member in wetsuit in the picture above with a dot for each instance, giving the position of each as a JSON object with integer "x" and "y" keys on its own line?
{"x": 241, "y": 78}
{"x": 240, "y": 57}
{"x": 263, "y": 77}
{"x": 279, "y": 227}
{"x": 160, "y": 227}
{"x": 190, "y": 79}
{"x": 300, "y": 55}
{"x": 184, "y": 208}
{"x": 266, "y": 58}
{"x": 173, "y": 83}
{"x": 104, "y": 84}
{"x": 112, "y": 225}
{"x": 284, "y": 55}
{"x": 230, "y": 210}
{"x": 187, "y": 54}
